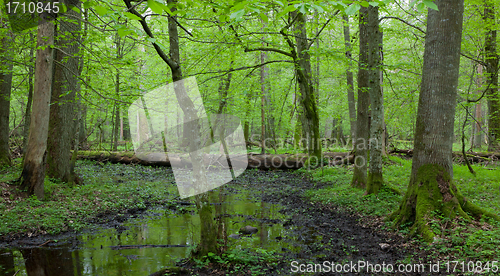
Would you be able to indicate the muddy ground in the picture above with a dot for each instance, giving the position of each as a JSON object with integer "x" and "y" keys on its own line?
{"x": 323, "y": 232}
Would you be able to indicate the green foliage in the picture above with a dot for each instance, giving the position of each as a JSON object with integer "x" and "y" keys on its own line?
{"x": 110, "y": 189}
{"x": 237, "y": 260}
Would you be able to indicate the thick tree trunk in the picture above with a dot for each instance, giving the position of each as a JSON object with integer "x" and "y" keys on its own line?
{"x": 33, "y": 174}
{"x": 5, "y": 91}
{"x": 350, "y": 80}
{"x": 490, "y": 48}
{"x": 62, "y": 111}
{"x": 431, "y": 186}
{"x": 359, "y": 178}
{"x": 375, "y": 178}
{"x": 309, "y": 115}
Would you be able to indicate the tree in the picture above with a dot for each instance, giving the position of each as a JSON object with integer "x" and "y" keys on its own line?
{"x": 191, "y": 131}
{"x": 351, "y": 99}
{"x": 33, "y": 174}
{"x": 5, "y": 91}
{"x": 431, "y": 188}
{"x": 375, "y": 178}
{"x": 359, "y": 177}
{"x": 309, "y": 115}
{"x": 62, "y": 123}
{"x": 490, "y": 49}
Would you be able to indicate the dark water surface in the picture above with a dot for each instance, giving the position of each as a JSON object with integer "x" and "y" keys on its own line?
{"x": 146, "y": 244}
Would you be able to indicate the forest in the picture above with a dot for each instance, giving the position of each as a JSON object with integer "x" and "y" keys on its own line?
{"x": 249, "y": 137}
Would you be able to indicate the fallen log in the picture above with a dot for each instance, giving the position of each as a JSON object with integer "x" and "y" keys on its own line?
{"x": 254, "y": 161}
{"x": 474, "y": 157}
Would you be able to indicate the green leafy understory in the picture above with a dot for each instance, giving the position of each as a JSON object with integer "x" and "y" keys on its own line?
{"x": 459, "y": 240}
{"x": 107, "y": 189}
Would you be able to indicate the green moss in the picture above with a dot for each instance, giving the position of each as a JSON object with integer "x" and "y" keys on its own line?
{"x": 374, "y": 183}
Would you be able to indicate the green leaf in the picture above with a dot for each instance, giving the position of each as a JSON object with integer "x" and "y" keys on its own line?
{"x": 100, "y": 10}
{"x": 155, "y": 6}
{"x": 373, "y": 4}
{"x": 87, "y": 4}
{"x": 420, "y": 7}
{"x": 132, "y": 16}
{"x": 412, "y": 3}
{"x": 264, "y": 17}
{"x": 124, "y": 32}
{"x": 238, "y": 15}
{"x": 152, "y": 40}
{"x": 352, "y": 9}
{"x": 431, "y": 4}
{"x": 364, "y": 4}
{"x": 317, "y": 8}
{"x": 288, "y": 9}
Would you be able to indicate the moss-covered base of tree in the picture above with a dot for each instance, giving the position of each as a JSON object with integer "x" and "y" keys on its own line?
{"x": 374, "y": 183}
{"x": 358, "y": 178}
{"x": 5, "y": 161}
{"x": 432, "y": 194}
{"x": 208, "y": 230}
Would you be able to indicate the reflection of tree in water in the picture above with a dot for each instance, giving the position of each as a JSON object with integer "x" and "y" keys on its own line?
{"x": 48, "y": 262}
{"x": 7, "y": 267}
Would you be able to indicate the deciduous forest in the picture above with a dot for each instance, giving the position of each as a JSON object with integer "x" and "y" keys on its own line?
{"x": 249, "y": 137}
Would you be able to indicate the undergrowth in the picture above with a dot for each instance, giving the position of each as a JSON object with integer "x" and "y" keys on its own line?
{"x": 106, "y": 189}
{"x": 459, "y": 240}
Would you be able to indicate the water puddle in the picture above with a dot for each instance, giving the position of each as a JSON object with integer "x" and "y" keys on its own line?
{"x": 146, "y": 244}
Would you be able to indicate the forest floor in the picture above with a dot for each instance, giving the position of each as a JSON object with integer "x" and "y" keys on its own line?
{"x": 327, "y": 220}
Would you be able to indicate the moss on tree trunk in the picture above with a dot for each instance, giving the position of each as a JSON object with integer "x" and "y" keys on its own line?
{"x": 432, "y": 193}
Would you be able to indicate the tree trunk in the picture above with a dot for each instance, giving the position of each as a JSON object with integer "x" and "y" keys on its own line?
{"x": 375, "y": 178}
{"x": 208, "y": 231}
{"x": 263, "y": 76}
{"x": 431, "y": 188}
{"x": 5, "y": 91}
{"x": 490, "y": 48}
{"x": 350, "y": 80}
{"x": 359, "y": 178}
{"x": 309, "y": 115}
{"x": 27, "y": 114}
{"x": 62, "y": 111}
{"x": 33, "y": 174}
{"x": 478, "y": 123}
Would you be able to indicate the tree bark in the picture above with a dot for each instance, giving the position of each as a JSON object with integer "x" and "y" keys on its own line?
{"x": 27, "y": 114}
{"x": 375, "y": 178}
{"x": 490, "y": 48}
{"x": 309, "y": 115}
{"x": 477, "y": 139}
{"x": 431, "y": 188}
{"x": 359, "y": 178}
{"x": 350, "y": 80}
{"x": 208, "y": 231}
{"x": 63, "y": 121}
{"x": 5, "y": 91}
{"x": 33, "y": 174}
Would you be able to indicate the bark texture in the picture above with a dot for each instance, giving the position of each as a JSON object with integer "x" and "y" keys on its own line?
{"x": 375, "y": 178}
{"x": 309, "y": 115}
{"x": 5, "y": 91}
{"x": 431, "y": 189}
{"x": 62, "y": 124}
{"x": 359, "y": 178}
{"x": 490, "y": 49}
{"x": 350, "y": 79}
{"x": 33, "y": 174}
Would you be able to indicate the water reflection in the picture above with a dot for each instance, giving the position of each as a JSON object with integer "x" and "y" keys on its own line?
{"x": 145, "y": 245}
